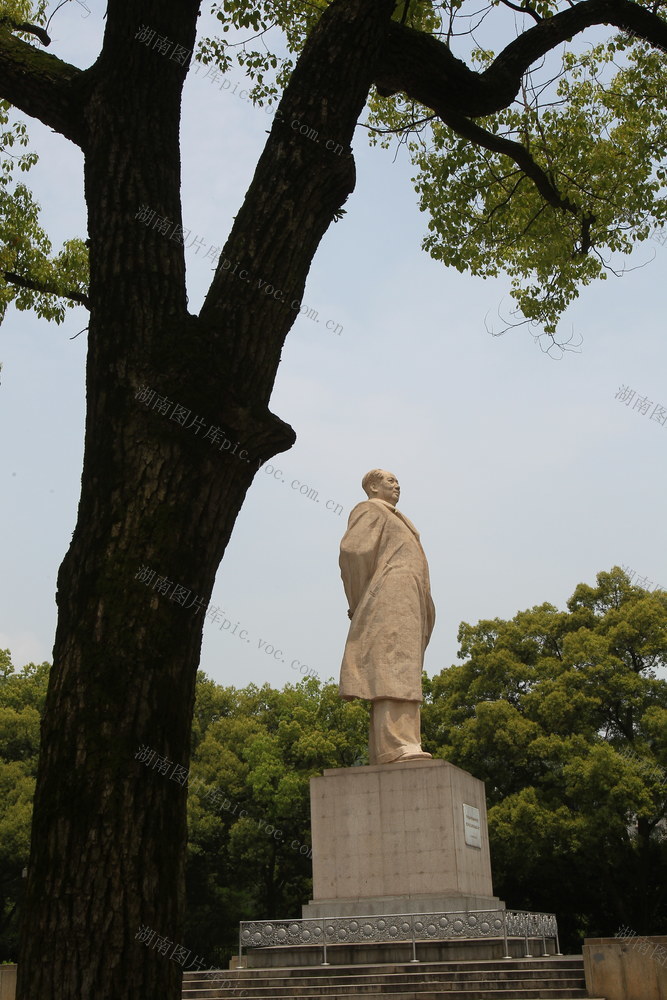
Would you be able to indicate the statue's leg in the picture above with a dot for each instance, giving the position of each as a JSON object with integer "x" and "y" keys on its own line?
{"x": 394, "y": 732}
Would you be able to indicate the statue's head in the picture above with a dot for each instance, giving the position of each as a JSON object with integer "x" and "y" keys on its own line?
{"x": 378, "y": 484}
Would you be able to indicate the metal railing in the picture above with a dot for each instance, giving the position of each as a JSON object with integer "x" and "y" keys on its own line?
{"x": 379, "y": 928}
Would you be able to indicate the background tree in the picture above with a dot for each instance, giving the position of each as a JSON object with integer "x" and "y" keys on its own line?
{"x": 562, "y": 715}
{"x": 154, "y": 497}
{"x": 22, "y": 696}
{"x": 249, "y": 802}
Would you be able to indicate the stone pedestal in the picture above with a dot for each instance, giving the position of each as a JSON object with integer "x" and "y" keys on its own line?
{"x": 399, "y": 838}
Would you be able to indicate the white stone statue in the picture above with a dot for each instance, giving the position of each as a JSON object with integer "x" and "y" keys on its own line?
{"x": 385, "y": 575}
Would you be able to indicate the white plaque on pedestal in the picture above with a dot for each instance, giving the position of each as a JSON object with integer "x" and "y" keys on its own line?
{"x": 471, "y": 826}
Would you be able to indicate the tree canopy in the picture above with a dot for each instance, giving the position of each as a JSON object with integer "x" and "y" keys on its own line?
{"x": 22, "y": 695}
{"x": 539, "y": 160}
{"x": 564, "y": 716}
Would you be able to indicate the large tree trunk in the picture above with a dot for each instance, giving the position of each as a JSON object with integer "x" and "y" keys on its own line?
{"x": 109, "y": 832}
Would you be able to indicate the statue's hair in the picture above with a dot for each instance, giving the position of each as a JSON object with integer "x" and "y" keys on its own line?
{"x": 372, "y": 477}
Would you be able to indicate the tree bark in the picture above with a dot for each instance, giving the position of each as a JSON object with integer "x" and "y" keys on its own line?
{"x": 109, "y": 832}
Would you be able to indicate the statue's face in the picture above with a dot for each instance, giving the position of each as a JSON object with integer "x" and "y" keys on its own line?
{"x": 387, "y": 488}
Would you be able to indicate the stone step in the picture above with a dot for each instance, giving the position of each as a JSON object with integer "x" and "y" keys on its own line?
{"x": 444, "y": 994}
{"x": 391, "y": 984}
{"x": 555, "y": 978}
{"x": 280, "y": 985}
{"x": 314, "y": 974}
{"x": 551, "y": 963}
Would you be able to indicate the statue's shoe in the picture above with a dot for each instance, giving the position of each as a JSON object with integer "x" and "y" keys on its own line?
{"x": 413, "y": 755}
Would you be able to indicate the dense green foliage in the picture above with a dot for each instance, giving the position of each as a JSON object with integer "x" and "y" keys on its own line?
{"x": 22, "y": 695}
{"x": 563, "y": 717}
{"x": 254, "y": 751}
{"x": 600, "y": 134}
{"x": 559, "y": 712}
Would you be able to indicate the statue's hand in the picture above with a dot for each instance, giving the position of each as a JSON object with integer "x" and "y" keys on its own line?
{"x": 349, "y": 613}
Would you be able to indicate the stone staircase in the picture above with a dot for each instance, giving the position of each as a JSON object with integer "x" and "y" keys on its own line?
{"x": 557, "y": 977}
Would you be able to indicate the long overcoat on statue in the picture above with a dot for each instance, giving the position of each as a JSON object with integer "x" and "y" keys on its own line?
{"x": 386, "y": 580}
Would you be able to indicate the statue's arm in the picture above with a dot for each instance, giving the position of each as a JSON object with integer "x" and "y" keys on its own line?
{"x": 359, "y": 551}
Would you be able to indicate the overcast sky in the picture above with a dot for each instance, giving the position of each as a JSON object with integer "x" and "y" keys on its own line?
{"x": 524, "y": 474}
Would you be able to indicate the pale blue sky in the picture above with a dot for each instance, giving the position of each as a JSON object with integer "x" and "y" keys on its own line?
{"x": 524, "y": 475}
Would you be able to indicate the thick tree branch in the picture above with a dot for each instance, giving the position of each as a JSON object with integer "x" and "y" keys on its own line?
{"x": 45, "y": 287}
{"x": 31, "y": 29}
{"x": 507, "y": 69}
{"x": 302, "y": 179}
{"x": 42, "y": 86}
{"x": 423, "y": 67}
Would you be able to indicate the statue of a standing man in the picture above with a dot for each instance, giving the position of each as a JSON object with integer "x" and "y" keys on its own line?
{"x": 385, "y": 575}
